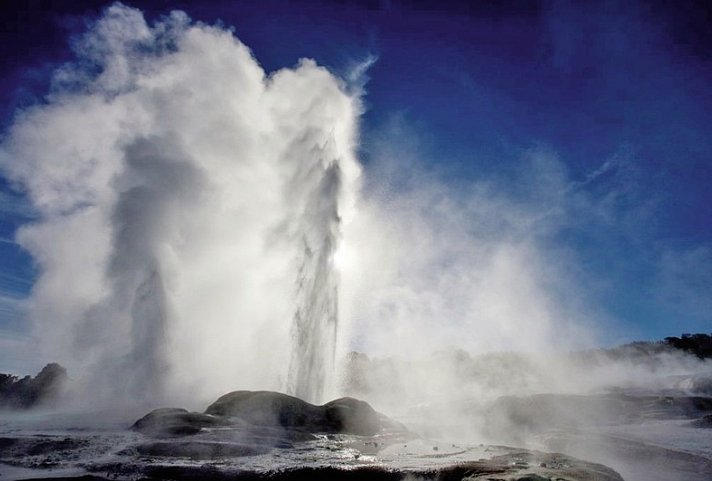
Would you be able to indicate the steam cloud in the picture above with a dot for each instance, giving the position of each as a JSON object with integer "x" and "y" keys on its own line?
{"x": 197, "y": 214}
{"x": 189, "y": 210}
{"x": 203, "y": 227}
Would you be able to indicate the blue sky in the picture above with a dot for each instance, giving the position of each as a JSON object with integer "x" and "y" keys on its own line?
{"x": 617, "y": 92}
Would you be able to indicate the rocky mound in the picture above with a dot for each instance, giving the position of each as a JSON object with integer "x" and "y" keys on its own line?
{"x": 267, "y": 409}
{"x": 175, "y": 422}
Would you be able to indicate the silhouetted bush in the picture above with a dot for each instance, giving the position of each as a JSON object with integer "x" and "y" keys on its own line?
{"x": 698, "y": 344}
{"x": 28, "y": 392}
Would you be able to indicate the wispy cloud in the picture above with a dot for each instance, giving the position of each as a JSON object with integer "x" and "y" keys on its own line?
{"x": 357, "y": 73}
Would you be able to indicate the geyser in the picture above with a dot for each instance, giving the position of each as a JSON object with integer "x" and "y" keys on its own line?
{"x": 316, "y": 315}
{"x": 189, "y": 208}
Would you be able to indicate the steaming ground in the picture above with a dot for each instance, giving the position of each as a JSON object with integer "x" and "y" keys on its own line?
{"x": 637, "y": 408}
{"x": 647, "y": 422}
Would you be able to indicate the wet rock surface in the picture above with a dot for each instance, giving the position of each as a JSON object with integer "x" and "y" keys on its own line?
{"x": 166, "y": 422}
{"x": 263, "y": 435}
{"x": 703, "y": 422}
{"x": 273, "y": 414}
{"x": 634, "y": 459}
{"x": 641, "y": 435}
{"x": 49, "y": 452}
{"x": 266, "y": 408}
{"x": 244, "y": 423}
{"x": 342, "y": 457}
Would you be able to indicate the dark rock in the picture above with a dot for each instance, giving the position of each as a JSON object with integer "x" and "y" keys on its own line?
{"x": 349, "y": 415}
{"x": 199, "y": 449}
{"x": 702, "y": 385}
{"x": 85, "y": 477}
{"x": 704, "y": 422}
{"x": 324, "y": 473}
{"x": 255, "y": 422}
{"x": 270, "y": 435}
{"x": 231, "y": 440}
{"x": 267, "y": 408}
{"x": 175, "y": 422}
{"x": 500, "y": 468}
{"x": 6, "y": 443}
{"x": 26, "y": 447}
